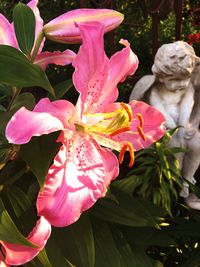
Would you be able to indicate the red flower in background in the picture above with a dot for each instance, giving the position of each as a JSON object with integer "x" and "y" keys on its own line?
{"x": 194, "y": 38}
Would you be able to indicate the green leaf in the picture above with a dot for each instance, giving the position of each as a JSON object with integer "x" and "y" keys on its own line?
{"x": 12, "y": 171}
{"x": 76, "y": 242}
{"x": 34, "y": 263}
{"x": 43, "y": 258}
{"x": 127, "y": 184}
{"x": 195, "y": 189}
{"x": 26, "y": 100}
{"x": 17, "y": 70}
{"x": 24, "y": 25}
{"x": 55, "y": 255}
{"x": 183, "y": 228}
{"x": 106, "y": 253}
{"x": 18, "y": 200}
{"x": 33, "y": 191}
{"x": 51, "y": 256}
{"x": 140, "y": 258}
{"x": 159, "y": 147}
{"x": 134, "y": 256}
{"x": 2, "y": 109}
{"x": 39, "y": 153}
{"x": 148, "y": 236}
{"x": 126, "y": 210}
{"x": 62, "y": 88}
{"x": 5, "y": 89}
{"x": 8, "y": 230}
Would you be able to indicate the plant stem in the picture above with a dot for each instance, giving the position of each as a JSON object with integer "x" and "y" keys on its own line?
{"x": 16, "y": 92}
{"x": 37, "y": 46}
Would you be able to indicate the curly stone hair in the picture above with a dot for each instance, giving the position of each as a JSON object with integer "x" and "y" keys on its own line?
{"x": 175, "y": 58}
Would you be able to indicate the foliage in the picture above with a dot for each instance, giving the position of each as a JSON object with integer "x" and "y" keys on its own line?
{"x": 141, "y": 222}
{"x": 156, "y": 175}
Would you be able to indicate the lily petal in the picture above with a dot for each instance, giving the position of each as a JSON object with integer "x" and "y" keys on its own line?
{"x": 61, "y": 109}
{"x": 19, "y": 254}
{"x": 46, "y": 117}
{"x": 80, "y": 174}
{"x": 122, "y": 64}
{"x": 7, "y": 35}
{"x": 59, "y": 58}
{"x": 38, "y": 21}
{"x": 35, "y": 124}
{"x": 96, "y": 77}
{"x": 91, "y": 65}
{"x": 62, "y": 28}
{"x": 2, "y": 261}
{"x": 153, "y": 127}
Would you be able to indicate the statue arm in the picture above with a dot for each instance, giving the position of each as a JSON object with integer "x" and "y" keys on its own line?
{"x": 156, "y": 101}
{"x": 195, "y": 118}
{"x": 186, "y": 106}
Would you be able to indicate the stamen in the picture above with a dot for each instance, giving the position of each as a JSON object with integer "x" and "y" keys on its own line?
{"x": 141, "y": 133}
{"x": 140, "y": 118}
{"x": 121, "y": 153}
{"x": 132, "y": 154}
{"x": 125, "y": 129}
{"x": 126, "y": 146}
{"x": 127, "y": 109}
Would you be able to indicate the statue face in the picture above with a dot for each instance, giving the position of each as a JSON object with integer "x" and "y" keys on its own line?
{"x": 173, "y": 65}
{"x": 173, "y": 83}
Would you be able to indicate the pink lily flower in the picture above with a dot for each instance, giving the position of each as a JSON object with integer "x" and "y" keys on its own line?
{"x": 2, "y": 262}
{"x": 85, "y": 165}
{"x": 7, "y": 37}
{"x": 63, "y": 30}
{"x": 16, "y": 254}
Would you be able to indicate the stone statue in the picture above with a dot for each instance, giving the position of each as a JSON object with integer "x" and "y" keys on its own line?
{"x": 174, "y": 88}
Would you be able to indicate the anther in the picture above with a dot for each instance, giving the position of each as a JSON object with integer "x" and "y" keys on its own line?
{"x": 140, "y": 118}
{"x": 125, "y": 129}
{"x": 127, "y": 109}
{"x": 141, "y": 133}
{"x": 121, "y": 153}
{"x": 132, "y": 154}
{"x": 126, "y": 146}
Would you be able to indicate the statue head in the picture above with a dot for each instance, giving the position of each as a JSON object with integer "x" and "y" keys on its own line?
{"x": 173, "y": 65}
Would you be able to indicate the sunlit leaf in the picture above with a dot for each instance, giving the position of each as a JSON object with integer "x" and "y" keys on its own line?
{"x": 17, "y": 70}
{"x": 8, "y": 230}
{"x": 43, "y": 258}
{"x": 126, "y": 210}
{"x": 127, "y": 184}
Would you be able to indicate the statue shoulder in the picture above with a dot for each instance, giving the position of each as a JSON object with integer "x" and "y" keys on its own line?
{"x": 142, "y": 86}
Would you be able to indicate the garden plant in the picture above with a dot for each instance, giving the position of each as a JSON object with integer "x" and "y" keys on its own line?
{"x": 74, "y": 191}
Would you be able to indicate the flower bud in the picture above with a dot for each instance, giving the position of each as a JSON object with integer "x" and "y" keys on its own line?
{"x": 63, "y": 30}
